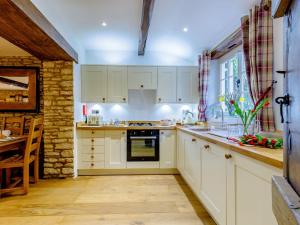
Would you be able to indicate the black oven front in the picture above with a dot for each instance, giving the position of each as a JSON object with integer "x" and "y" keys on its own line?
{"x": 142, "y": 145}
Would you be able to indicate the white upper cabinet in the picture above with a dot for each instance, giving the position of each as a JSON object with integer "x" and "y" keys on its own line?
{"x": 166, "y": 85}
{"x": 117, "y": 84}
{"x": 93, "y": 83}
{"x": 187, "y": 85}
{"x": 142, "y": 77}
{"x": 167, "y": 148}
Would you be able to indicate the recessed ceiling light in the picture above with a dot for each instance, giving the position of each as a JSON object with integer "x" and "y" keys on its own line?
{"x": 103, "y": 24}
{"x": 185, "y": 29}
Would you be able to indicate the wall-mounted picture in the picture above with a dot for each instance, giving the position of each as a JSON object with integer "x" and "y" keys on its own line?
{"x": 19, "y": 89}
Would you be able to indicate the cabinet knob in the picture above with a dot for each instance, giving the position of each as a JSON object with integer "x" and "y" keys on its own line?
{"x": 92, "y": 164}
{"x": 193, "y": 140}
{"x": 162, "y": 132}
{"x": 92, "y": 140}
{"x": 123, "y": 132}
{"x": 103, "y": 99}
{"x": 206, "y": 146}
{"x": 159, "y": 99}
{"x": 179, "y": 99}
{"x": 142, "y": 86}
{"x": 124, "y": 99}
{"x": 92, "y": 156}
{"x": 228, "y": 156}
{"x": 93, "y": 132}
{"x": 92, "y": 148}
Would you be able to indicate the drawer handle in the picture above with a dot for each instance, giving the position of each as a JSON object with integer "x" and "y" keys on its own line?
{"x": 193, "y": 140}
{"x": 206, "y": 146}
{"x": 228, "y": 156}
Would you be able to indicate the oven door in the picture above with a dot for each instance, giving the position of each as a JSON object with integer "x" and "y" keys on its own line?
{"x": 143, "y": 148}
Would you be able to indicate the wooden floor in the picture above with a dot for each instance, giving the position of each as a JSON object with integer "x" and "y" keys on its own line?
{"x": 106, "y": 200}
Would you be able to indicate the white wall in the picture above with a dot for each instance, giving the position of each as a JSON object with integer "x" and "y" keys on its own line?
{"x": 141, "y": 106}
{"x": 132, "y": 58}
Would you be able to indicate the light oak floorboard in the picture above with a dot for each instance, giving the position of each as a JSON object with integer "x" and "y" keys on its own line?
{"x": 106, "y": 200}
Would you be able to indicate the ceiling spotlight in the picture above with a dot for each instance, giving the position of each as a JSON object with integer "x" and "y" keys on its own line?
{"x": 103, "y": 24}
{"x": 185, "y": 29}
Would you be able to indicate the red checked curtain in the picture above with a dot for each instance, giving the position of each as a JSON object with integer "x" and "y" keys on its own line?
{"x": 204, "y": 62}
{"x": 257, "y": 29}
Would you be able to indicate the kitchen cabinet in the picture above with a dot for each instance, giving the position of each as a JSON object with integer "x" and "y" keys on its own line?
{"x": 235, "y": 189}
{"x": 117, "y": 84}
{"x": 93, "y": 83}
{"x": 166, "y": 85}
{"x": 187, "y": 85}
{"x": 249, "y": 191}
{"x": 115, "y": 149}
{"x": 142, "y": 77}
{"x": 180, "y": 151}
{"x": 213, "y": 180}
{"x": 90, "y": 149}
{"x": 167, "y": 148}
{"x": 192, "y": 162}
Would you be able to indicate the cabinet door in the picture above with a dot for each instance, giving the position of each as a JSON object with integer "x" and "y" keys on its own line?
{"x": 187, "y": 85}
{"x": 142, "y": 77}
{"x": 117, "y": 84}
{"x": 249, "y": 192}
{"x": 180, "y": 151}
{"x": 192, "y": 163}
{"x": 167, "y": 149}
{"x": 115, "y": 149}
{"x": 166, "y": 85}
{"x": 93, "y": 83}
{"x": 213, "y": 181}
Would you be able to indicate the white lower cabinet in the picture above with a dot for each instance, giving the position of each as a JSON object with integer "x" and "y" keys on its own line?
{"x": 249, "y": 192}
{"x": 115, "y": 149}
{"x": 235, "y": 189}
{"x": 101, "y": 149}
{"x": 213, "y": 180}
{"x": 167, "y": 149}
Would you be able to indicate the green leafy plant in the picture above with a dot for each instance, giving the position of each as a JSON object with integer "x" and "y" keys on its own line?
{"x": 247, "y": 116}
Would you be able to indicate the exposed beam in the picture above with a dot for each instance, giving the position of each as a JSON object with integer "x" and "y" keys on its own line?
{"x": 231, "y": 42}
{"x": 13, "y": 82}
{"x": 22, "y": 24}
{"x": 145, "y": 24}
{"x": 280, "y": 7}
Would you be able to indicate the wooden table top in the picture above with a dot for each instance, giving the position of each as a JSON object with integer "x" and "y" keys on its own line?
{"x": 12, "y": 144}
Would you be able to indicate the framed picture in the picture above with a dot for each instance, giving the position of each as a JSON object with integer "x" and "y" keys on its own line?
{"x": 19, "y": 89}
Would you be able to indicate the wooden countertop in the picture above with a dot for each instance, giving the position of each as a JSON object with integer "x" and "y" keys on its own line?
{"x": 123, "y": 127}
{"x": 272, "y": 157}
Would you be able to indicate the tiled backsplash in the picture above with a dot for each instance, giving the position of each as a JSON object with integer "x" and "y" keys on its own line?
{"x": 141, "y": 106}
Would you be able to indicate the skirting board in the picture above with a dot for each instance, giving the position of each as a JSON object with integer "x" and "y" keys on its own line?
{"x": 94, "y": 172}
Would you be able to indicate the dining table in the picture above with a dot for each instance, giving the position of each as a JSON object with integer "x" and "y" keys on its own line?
{"x": 12, "y": 143}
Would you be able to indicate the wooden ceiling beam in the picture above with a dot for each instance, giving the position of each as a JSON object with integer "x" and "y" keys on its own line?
{"x": 231, "y": 42}
{"x": 145, "y": 24}
{"x": 22, "y": 24}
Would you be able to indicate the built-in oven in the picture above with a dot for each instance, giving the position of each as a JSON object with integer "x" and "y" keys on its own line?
{"x": 142, "y": 145}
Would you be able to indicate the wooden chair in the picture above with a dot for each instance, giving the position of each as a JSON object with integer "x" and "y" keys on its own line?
{"x": 30, "y": 155}
{"x": 16, "y": 126}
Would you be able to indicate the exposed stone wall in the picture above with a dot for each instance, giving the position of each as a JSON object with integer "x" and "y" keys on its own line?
{"x": 58, "y": 118}
{"x": 56, "y": 106}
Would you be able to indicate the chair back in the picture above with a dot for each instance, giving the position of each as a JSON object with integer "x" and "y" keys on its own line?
{"x": 14, "y": 124}
{"x": 34, "y": 137}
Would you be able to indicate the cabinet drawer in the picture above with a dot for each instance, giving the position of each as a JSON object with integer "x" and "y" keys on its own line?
{"x": 89, "y": 149}
{"x": 91, "y": 157}
{"x": 90, "y": 141}
{"x": 90, "y": 134}
{"x": 91, "y": 165}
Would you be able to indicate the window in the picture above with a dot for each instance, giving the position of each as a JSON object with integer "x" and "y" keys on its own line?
{"x": 233, "y": 83}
